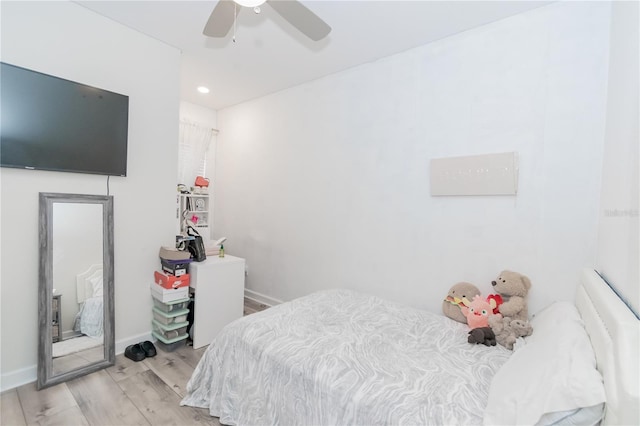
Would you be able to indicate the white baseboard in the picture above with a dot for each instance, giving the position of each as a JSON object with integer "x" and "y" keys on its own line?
{"x": 20, "y": 377}
{"x": 259, "y": 297}
{"x": 70, "y": 333}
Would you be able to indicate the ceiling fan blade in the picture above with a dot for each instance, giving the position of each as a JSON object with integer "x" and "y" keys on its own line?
{"x": 302, "y": 18}
{"x": 221, "y": 19}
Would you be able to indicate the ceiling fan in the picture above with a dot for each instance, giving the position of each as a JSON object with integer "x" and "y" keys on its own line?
{"x": 225, "y": 12}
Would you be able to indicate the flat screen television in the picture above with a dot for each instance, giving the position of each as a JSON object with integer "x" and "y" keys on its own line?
{"x": 49, "y": 123}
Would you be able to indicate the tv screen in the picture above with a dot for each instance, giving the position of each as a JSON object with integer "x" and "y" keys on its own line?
{"x": 48, "y": 123}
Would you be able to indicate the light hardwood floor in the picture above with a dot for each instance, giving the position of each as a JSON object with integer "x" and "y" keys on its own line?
{"x": 251, "y": 306}
{"x": 129, "y": 393}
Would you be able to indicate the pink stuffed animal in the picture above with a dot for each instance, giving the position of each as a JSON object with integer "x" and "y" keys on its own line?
{"x": 478, "y": 312}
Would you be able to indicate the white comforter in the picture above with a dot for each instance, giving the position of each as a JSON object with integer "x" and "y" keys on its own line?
{"x": 340, "y": 357}
{"x": 89, "y": 319}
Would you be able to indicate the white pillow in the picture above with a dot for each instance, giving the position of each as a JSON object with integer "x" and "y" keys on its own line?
{"x": 554, "y": 371}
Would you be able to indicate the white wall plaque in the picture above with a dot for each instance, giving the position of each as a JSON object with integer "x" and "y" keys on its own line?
{"x": 489, "y": 174}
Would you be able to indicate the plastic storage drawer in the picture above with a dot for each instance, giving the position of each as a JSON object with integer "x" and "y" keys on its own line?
{"x": 170, "y": 331}
{"x": 170, "y": 318}
{"x": 169, "y": 345}
{"x": 174, "y": 306}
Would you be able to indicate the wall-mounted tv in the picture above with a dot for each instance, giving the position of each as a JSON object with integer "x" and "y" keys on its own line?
{"x": 48, "y": 123}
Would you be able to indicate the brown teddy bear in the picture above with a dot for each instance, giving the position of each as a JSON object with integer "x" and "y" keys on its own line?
{"x": 508, "y": 330}
{"x": 461, "y": 294}
{"x": 513, "y": 287}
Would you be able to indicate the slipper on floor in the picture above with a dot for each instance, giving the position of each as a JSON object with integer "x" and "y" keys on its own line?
{"x": 148, "y": 348}
{"x": 135, "y": 352}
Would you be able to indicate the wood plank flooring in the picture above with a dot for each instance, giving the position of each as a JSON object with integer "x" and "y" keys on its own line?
{"x": 129, "y": 393}
{"x": 251, "y": 306}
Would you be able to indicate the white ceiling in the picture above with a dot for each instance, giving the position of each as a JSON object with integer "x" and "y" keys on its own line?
{"x": 270, "y": 55}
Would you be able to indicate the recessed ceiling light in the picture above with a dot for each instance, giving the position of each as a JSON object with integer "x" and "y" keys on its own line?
{"x": 203, "y": 89}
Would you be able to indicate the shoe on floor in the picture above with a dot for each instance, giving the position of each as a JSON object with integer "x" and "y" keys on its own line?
{"x": 135, "y": 352}
{"x": 148, "y": 348}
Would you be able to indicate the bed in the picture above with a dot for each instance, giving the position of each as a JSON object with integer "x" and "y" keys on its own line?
{"x": 341, "y": 357}
{"x": 89, "y": 294}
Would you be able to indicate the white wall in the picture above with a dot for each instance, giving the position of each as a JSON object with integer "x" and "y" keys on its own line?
{"x": 69, "y": 41}
{"x": 618, "y": 254}
{"x": 199, "y": 114}
{"x": 326, "y": 184}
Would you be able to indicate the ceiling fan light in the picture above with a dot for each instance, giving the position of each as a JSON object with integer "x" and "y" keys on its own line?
{"x": 250, "y": 3}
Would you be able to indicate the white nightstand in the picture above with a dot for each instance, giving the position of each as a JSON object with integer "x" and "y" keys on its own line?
{"x": 219, "y": 295}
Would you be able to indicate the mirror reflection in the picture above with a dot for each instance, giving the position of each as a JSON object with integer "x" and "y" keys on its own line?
{"x": 75, "y": 301}
{"x": 77, "y": 294}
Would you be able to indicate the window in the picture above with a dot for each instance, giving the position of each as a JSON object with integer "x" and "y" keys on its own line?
{"x": 194, "y": 143}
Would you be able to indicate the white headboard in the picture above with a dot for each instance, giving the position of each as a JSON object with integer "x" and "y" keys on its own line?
{"x": 84, "y": 287}
{"x": 615, "y": 335}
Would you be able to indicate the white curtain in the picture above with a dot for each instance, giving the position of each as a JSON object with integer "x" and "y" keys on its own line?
{"x": 192, "y": 156}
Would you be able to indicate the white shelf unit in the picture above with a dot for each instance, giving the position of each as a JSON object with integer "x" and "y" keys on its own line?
{"x": 218, "y": 283}
{"x": 196, "y": 208}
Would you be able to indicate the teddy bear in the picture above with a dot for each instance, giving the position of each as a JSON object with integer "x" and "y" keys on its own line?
{"x": 484, "y": 335}
{"x": 507, "y": 330}
{"x": 459, "y": 295}
{"x": 513, "y": 287}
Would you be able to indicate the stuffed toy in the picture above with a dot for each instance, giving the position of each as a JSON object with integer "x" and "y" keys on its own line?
{"x": 478, "y": 312}
{"x": 484, "y": 335}
{"x": 495, "y": 300}
{"x": 522, "y": 328}
{"x": 508, "y": 330}
{"x": 513, "y": 287}
{"x": 459, "y": 295}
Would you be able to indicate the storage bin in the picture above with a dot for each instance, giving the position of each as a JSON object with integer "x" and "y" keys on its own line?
{"x": 170, "y": 318}
{"x": 171, "y": 281}
{"x": 170, "y": 331}
{"x": 173, "y": 306}
{"x": 175, "y": 267}
{"x": 169, "y": 345}
{"x": 166, "y": 295}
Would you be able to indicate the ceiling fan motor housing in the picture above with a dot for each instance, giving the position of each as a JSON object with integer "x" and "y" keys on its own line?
{"x": 223, "y": 17}
{"x": 250, "y": 3}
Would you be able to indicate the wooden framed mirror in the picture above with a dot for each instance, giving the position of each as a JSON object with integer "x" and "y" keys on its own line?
{"x": 75, "y": 300}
